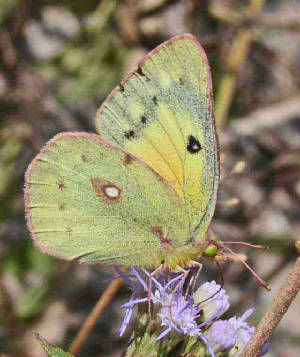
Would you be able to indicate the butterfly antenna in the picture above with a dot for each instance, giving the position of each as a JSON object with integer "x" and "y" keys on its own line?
{"x": 255, "y": 246}
{"x": 256, "y": 276}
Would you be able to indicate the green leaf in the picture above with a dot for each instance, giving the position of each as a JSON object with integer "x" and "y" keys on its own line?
{"x": 144, "y": 339}
{"x": 52, "y": 351}
{"x": 194, "y": 347}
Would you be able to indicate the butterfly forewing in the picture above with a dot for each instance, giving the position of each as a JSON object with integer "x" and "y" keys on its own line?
{"x": 163, "y": 114}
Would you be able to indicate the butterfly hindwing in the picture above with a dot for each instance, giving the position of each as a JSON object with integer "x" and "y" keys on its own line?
{"x": 88, "y": 200}
{"x": 163, "y": 114}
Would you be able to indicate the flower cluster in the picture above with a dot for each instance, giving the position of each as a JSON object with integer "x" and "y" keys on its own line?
{"x": 196, "y": 314}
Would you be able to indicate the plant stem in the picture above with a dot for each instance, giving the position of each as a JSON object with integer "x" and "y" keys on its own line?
{"x": 276, "y": 311}
{"x": 93, "y": 317}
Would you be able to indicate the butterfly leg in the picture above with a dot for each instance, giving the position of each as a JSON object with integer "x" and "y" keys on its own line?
{"x": 185, "y": 275}
{"x": 194, "y": 279}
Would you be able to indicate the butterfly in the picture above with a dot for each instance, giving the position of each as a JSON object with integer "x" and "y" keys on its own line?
{"x": 141, "y": 192}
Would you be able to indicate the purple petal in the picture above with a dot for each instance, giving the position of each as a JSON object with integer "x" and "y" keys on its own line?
{"x": 247, "y": 313}
{"x": 130, "y": 304}
{"x": 137, "y": 275}
{"x": 207, "y": 344}
{"x": 163, "y": 334}
{"x": 209, "y": 320}
{"x": 152, "y": 278}
{"x": 172, "y": 281}
{"x": 124, "y": 276}
{"x": 264, "y": 349}
{"x": 125, "y": 322}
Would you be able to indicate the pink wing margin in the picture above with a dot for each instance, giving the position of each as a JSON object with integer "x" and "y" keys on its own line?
{"x": 30, "y": 169}
{"x": 153, "y": 52}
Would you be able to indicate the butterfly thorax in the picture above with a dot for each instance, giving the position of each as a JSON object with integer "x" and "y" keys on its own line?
{"x": 171, "y": 255}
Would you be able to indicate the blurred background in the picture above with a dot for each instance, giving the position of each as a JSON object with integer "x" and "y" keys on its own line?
{"x": 58, "y": 62}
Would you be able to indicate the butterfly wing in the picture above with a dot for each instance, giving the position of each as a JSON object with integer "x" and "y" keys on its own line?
{"x": 163, "y": 114}
{"x": 88, "y": 200}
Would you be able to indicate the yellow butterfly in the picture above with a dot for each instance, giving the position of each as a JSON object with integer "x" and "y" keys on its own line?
{"x": 143, "y": 191}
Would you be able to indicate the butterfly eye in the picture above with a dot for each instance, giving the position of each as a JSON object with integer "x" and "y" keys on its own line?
{"x": 193, "y": 145}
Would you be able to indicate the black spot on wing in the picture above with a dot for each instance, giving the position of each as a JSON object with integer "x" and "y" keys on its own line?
{"x": 129, "y": 134}
{"x": 140, "y": 71}
{"x": 127, "y": 159}
{"x": 61, "y": 185}
{"x": 142, "y": 74}
{"x": 62, "y": 206}
{"x": 154, "y": 99}
{"x": 143, "y": 119}
{"x": 193, "y": 145}
{"x": 84, "y": 159}
{"x": 69, "y": 230}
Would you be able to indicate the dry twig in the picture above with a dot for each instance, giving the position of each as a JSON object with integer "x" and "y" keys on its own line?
{"x": 233, "y": 17}
{"x": 276, "y": 311}
{"x": 237, "y": 55}
{"x": 94, "y": 316}
{"x": 268, "y": 117}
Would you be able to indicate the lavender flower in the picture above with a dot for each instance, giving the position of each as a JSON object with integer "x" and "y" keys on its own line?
{"x": 230, "y": 335}
{"x": 212, "y": 299}
{"x": 183, "y": 314}
{"x": 221, "y": 335}
{"x": 175, "y": 312}
{"x": 243, "y": 332}
{"x": 179, "y": 313}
